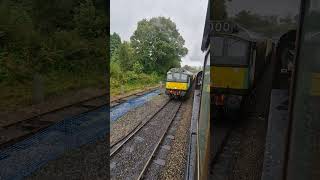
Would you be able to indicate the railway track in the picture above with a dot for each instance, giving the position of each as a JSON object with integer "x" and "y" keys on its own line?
{"x": 148, "y": 171}
{"x": 24, "y": 128}
{"x": 131, "y": 157}
{"x": 19, "y": 130}
{"x": 116, "y": 146}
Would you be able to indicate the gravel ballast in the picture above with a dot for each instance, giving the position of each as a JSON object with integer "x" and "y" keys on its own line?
{"x": 129, "y": 121}
{"x": 88, "y": 162}
{"x": 91, "y": 161}
{"x": 129, "y": 161}
{"x": 177, "y": 158}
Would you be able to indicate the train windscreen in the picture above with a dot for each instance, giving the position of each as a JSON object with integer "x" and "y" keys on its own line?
{"x": 230, "y": 51}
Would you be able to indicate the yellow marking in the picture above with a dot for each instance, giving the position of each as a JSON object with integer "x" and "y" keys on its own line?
{"x": 177, "y": 85}
{"x": 315, "y": 84}
{"x": 229, "y": 77}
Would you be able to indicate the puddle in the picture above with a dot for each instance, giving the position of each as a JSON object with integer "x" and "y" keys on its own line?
{"x": 120, "y": 110}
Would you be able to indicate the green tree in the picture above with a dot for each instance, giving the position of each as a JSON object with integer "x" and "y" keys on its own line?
{"x": 158, "y": 44}
{"x": 85, "y": 19}
{"x": 125, "y": 56}
{"x": 52, "y": 15}
{"x": 115, "y": 42}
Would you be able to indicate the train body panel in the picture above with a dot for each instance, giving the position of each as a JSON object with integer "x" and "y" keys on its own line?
{"x": 177, "y": 86}
{"x": 229, "y": 77}
{"x": 315, "y": 84}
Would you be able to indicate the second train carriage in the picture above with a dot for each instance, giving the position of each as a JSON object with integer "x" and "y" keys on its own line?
{"x": 179, "y": 82}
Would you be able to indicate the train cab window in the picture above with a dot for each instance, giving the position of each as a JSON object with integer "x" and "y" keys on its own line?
{"x": 176, "y": 76}
{"x": 236, "y": 48}
{"x": 230, "y": 51}
{"x": 169, "y": 77}
{"x": 184, "y": 77}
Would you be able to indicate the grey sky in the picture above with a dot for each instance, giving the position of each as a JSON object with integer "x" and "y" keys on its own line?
{"x": 189, "y": 16}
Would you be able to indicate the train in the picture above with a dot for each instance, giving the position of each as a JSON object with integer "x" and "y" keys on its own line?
{"x": 239, "y": 57}
{"x": 235, "y": 58}
{"x": 179, "y": 83}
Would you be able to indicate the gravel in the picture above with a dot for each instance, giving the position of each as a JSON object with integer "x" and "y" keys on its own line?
{"x": 177, "y": 158}
{"x": 128, "y": 162}
{"x": 155, "y": 170}
{"x": 129, "y": 121}
{"x": 88, "y": 162}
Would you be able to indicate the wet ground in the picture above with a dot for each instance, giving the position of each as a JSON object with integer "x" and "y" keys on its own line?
{"x": 119, "y": 110}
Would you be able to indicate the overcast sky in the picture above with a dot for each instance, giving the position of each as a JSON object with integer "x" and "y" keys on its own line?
{"x": 189, "y": 16}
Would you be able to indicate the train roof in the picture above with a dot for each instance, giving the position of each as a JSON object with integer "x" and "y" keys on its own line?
{"x": 241, "y": 31}
{"x": 179, "y": 70}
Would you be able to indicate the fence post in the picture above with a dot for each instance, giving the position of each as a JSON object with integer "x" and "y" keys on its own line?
{"x": 37, "y": 89}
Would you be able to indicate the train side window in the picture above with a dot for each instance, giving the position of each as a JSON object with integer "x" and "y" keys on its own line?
{"x": 304, "y": 149}
{"x": 218, "y": 46}
{"x": 176, "y": 76}
{"x": 184, "y": 77}
{"x": 204, "y": 120}
{"x": 236, "y": 48}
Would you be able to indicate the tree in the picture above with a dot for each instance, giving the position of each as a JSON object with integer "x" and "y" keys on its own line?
{"x": 86, "y": 21}
{"x": 52, "y": 15}
{"x": 115, "y": 42}
{"x": 124, "y": 54}
{"x": 158, "y": 44}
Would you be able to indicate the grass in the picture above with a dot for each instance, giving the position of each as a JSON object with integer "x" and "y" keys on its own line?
{"x": 131, "y": 87}
{"x": 16, "y": 95}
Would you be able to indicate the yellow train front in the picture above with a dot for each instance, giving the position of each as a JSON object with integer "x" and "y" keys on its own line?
{"x": 179, "y": 83}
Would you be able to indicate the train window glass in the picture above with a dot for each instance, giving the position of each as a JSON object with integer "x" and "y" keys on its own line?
{"x": 236, "y": 48}
{"x": 176, "y": 76}
{"x": 305, "y": 137}
{"x": 204, "y": 119}
{"x": 184, "y": 77}
{"x": 218, "y": 46}
{"x": 169, "y": 77}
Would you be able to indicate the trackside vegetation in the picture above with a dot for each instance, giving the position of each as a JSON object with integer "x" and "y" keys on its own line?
{"x": 62, "y": 41}
{"x": 154, "y": 48}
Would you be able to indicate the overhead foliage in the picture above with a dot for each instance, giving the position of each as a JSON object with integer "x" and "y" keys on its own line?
{"x": 158, "y": 45}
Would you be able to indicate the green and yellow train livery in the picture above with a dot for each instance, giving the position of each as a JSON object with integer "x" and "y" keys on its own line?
{"x": 179, "y": 82}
